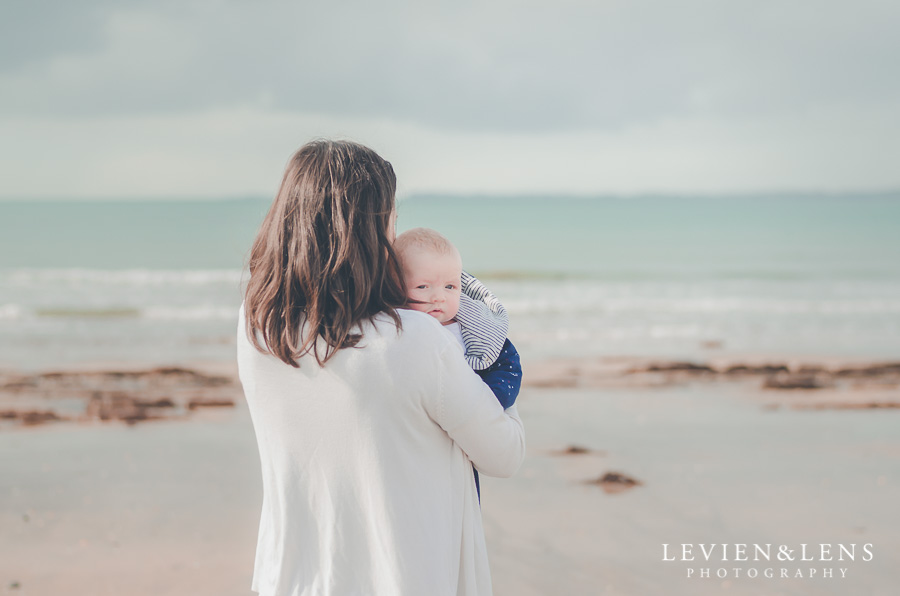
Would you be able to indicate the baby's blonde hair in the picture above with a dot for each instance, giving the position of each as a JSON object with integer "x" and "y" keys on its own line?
{"x": 423, "y": 239}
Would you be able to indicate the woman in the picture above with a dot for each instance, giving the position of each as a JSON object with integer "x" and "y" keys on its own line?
{"x": 366, "y": 414}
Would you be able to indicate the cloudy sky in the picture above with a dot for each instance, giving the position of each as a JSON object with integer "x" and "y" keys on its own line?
{"x": 184, "y": 98}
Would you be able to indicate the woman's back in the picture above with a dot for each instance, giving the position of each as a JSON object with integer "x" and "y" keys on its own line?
{"x": 366, "y": 464}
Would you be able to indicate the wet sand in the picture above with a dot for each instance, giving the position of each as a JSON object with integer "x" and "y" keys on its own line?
{"x": 168, "y": 503}
{"x": 134, "y": 395}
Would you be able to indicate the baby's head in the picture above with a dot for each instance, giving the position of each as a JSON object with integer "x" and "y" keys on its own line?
{"x": 432, "y": 269}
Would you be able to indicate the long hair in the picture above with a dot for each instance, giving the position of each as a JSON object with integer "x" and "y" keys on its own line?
{"x": 322, "y": 261}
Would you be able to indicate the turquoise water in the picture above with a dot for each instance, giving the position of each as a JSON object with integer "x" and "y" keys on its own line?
{"x": 674, "y": 238}
{"x": 85, "y": 281}
{"x": 643, "y": 238}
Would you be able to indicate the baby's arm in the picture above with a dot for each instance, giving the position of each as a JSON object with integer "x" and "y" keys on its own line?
{"x": 504, "y": 376}
{"x": 483, "y": 322}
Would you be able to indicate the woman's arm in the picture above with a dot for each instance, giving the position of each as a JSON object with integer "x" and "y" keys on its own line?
{"x": 493, "y": 438}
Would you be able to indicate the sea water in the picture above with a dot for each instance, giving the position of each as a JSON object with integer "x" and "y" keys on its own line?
{"x": 681, "y": 277}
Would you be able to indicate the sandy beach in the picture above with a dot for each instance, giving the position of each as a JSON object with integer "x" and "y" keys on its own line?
{"x": 689, "y": 212}
{"x": 146, "y": 481}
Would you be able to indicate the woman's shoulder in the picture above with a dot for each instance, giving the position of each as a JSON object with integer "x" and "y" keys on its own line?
{"x": 417, "y": 329}
{"x": 418, "y": 336}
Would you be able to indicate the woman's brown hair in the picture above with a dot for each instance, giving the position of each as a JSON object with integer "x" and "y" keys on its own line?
{"x": 322, "y": 261}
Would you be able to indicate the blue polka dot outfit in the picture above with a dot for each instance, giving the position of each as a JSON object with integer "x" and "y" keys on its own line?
{"x": 484, "y": 324}
{"x": 504, "y": 377}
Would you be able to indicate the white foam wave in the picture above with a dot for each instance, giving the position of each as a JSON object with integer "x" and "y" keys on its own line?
{"x": 10, "y": 312}
{"x": 134, "y": 277}
{"x": 194, "y": 313}
{"x": 570, "y": 305}
{"x": 14, "y": 312}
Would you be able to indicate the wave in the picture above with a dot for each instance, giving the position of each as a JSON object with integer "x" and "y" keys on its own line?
{"x": 887, "y": 273}
{"x": 134, "y": 277}
{"x": 94, "y": 313}
{"x": 195, "y": 313}
{"x": 519, "y": 307}
{"x": 201, "y": 277}
{"x": 15, "y": 312}
{"x": 565, "y": 306}
{"x": 10, "y": 312}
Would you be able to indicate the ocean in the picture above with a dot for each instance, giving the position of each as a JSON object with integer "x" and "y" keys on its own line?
{"x": 159, "y": 282}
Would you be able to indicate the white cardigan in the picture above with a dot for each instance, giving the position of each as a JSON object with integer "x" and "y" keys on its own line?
{"x": 367, "y": 482}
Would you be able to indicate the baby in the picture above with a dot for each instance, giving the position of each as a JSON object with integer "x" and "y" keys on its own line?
{"x": 437, "y": 285}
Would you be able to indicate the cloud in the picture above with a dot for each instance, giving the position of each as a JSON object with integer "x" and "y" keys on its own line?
{"x": 114, "y": 98}
{"x": 35, "y": 31}
{"x": 242, "y": 152}
{"x": 500, "y": 66}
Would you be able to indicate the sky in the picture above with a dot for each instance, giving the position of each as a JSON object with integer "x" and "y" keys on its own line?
{"x": 188, "y": 98}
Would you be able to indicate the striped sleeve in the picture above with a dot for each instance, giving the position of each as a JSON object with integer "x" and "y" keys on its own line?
{"x": 483, "y": 322}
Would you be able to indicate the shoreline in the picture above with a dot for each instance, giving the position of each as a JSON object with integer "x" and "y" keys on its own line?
{"x": 111, "y": 392}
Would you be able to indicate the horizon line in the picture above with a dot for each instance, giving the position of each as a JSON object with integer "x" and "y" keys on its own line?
{"x": 430, "y": 195}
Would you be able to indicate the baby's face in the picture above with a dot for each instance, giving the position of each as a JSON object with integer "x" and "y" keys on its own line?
{"x": 433, "y": 279}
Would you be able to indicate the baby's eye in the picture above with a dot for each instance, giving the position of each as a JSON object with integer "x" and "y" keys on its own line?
{"x": 451, "y": 287}
{"x": 421, "y": 287}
